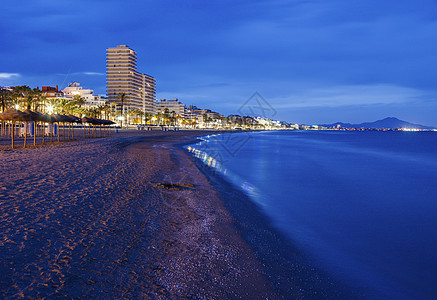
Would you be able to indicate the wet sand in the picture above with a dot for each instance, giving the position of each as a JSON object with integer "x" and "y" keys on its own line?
{"x": 133, "y": 216}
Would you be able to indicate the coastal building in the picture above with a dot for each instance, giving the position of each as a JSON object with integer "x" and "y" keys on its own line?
{"x": 192, "y": 112}
{"x": 172, "y": 105}
{"x": 122, "y": 77}
{"x": 51, "y": 92}
{"x": 91, "y": 100}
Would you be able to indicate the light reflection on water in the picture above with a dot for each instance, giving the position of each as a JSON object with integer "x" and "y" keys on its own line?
{"x": 218, "y": 166}
{"x": 362, "y": 203}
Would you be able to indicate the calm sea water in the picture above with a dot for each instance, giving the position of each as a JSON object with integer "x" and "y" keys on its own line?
{"x": 362, "y": 205}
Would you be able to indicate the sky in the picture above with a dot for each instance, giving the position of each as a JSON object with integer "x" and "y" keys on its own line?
{"x": 312, "y": 62}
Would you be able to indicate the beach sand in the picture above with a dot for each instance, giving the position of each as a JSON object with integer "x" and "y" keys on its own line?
{"x": 133, "y": 216}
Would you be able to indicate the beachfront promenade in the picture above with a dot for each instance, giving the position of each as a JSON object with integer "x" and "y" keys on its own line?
{"x": 89, "y": 218}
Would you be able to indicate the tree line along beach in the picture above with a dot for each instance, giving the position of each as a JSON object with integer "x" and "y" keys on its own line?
{"x": 133, "y": 216}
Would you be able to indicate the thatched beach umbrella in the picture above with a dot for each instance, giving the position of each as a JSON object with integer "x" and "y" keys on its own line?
{"x": 88, "y": 121}
{"x": 105, "y": 126}
{"x": 51, "y": 119}
{"x": 93, "y": 123}
{"x": 71, "y": 119}
{"x": 35, "y": 117}
{"x": 43, "y": 119}
{"x": 61, "y": 119}
{"x": 65, "y": 119}
{"x": 108, "y": 126}
{"x": 3, "y": 124}
{"x": 76, "y": 120}
{"x": 3, "y": 129}
{"x": 15, "y": 115}
{"x": 97, "y": 122}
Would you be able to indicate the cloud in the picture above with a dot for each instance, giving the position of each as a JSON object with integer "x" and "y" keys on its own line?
{"x": 92, "y": 73}
{"x": 8, "y": 75}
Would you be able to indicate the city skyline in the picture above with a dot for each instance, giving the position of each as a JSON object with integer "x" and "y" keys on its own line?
{"x": 314, "y": 62}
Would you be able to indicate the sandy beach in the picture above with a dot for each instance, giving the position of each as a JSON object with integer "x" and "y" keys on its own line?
{"x": 133, "y": 216}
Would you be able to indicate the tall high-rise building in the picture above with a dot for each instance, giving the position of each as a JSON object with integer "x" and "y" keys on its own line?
{"x": 122, "y": 77}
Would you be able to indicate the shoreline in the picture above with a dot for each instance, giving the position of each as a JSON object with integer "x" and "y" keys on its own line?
{"x": 98, "y": 222}
{"x": 290, "y": 272}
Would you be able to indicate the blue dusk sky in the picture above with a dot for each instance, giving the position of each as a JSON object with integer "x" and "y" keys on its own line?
{"x": 313, "y": 61}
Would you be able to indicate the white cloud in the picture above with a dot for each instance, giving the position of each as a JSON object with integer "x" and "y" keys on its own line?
{"x": 8, "y": 75}
{"x": 93, "y": 73}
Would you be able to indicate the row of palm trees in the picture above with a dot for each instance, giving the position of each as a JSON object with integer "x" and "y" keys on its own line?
{"x": 26, "y": 98}
{"x": 33, "y": 99}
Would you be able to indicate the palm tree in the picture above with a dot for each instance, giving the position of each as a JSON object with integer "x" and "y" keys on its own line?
{"x": 106, "y": 110}
{"x": 172, "y": 118}
{"x": 100, "y": 109}
{"x": 5, "y": 98}
{"x": 147, "y": 117}
{"x": 21, "y": 94}
{"x": 78, "y": 100}
{"x": 93, "y": 112}
{"x": 42, "y": 103}
{"x": 65, "y": 106}
{"x": 134, "y": 114}
{"x": 166, "y": 116}
{"x": 34, "y": 98}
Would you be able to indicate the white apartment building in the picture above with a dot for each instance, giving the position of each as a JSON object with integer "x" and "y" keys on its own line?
{"x": 173, "y": 106}
{"x": 122, "y": 77}
{"x": 91, "y": 100}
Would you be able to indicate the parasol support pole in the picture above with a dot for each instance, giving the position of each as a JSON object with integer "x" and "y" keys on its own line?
{"x": 43, "y": 131}
{"x": 12, "y": 134}
{"x": 25, "y": 134}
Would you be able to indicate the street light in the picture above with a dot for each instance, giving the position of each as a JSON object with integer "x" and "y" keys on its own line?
{"x": 50, "y": 109}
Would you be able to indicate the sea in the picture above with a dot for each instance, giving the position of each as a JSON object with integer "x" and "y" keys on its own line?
{"x": 361, "y": 204}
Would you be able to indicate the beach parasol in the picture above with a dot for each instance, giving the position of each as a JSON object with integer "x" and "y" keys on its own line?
{"x": 61, "y": 119}
{"x": 108, "y": 124}
{"x": 15, "y": 115}
{"x": 88, "y": 121}
{"x": 34, "y": 117}
{"x": 74, "y": 119}
{"x": 44, "y": 119}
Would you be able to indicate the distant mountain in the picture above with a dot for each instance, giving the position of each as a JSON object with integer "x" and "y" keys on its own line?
{"x": 390, "y": 122}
